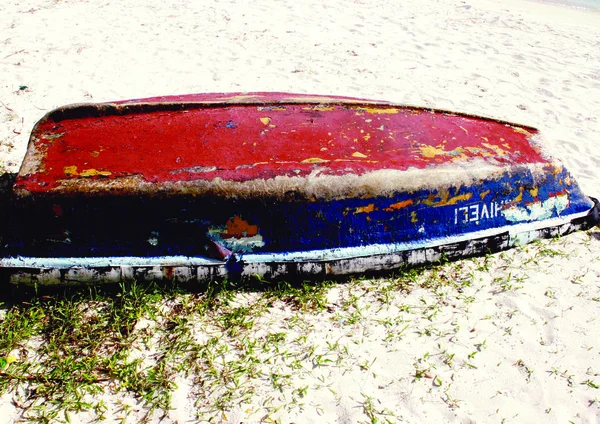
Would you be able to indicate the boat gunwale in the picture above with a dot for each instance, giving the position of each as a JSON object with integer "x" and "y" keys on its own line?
{"x": 140, "y": 106}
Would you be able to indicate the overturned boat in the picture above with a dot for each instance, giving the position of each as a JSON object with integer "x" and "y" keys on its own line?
{"x": 229, "y": 186}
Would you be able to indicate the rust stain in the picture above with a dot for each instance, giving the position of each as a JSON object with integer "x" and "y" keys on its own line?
{"x": 365, "y": 209}
{"x": 485, "y": 193}
{"x": 399, "y": 205}
{"x": 168, "y": 272}
{"x": 238, "y": 228}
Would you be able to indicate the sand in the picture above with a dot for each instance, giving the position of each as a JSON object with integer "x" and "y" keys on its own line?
{"x": 536, "y": 338}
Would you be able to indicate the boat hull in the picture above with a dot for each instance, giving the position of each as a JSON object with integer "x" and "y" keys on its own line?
{"x": 275, "y": 185}
{"x": 300, "y": 265}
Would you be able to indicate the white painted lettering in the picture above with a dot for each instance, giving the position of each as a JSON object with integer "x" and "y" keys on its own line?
{"x": 484, "y": 212}
{"x": 474, "y": 213}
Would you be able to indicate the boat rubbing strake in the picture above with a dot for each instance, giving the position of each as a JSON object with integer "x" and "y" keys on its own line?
{"x": 227, "y": 186}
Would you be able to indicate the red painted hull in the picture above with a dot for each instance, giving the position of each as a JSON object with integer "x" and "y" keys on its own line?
{"x": 188, "y": 145}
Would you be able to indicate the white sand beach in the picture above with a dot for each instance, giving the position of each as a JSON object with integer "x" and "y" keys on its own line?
{"x": 513, "y": 339}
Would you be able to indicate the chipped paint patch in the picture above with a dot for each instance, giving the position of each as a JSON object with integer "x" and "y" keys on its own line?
{"x": 445, "y": 198}
{"x": 522, "y": 131}
{"x": 71, "y": 171}
{"x": 379, "y": 110}
{"x": 413, "y": 217}
{"x": 319, "y": 108}
{"x": 265, "y": 120}
{"x": 399, "y": 205}
{"x": 236, "y": 235}
{"x": 359, "y": 155}
{"x": 431, "y": 151}
{"x": 537, "y": 210}
{"x": 94, "y": 172}
{"x": 314, "y": 160}
{"x": 365, "y": 209}
{"x": 238, "y": 228}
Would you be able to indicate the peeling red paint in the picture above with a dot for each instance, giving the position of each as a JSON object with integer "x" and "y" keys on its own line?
{"x": 262, "y": 137}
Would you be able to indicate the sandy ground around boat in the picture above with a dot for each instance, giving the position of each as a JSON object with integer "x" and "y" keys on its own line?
{"x": 517, "y": 340}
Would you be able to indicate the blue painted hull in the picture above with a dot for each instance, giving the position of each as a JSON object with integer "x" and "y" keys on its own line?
{"x": 149, "y": 239}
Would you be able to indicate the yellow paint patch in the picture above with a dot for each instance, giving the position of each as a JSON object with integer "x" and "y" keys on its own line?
{"x": 534, "y": 191}
{"x": 314, "y": 160}
{"x": 445, "y": 199}
{"x": 365, "y": 209}
{"x": 93, "y": 172}
{"x": 359, "y": 155}
{"x": 430, "y": 151}
{"x": 95, "y": 153}
{"x": 522, "y": 131}
{"x": 399, "y": 205}
{"x": 266, "y": 120}
{"x": 496, "y": 149}
{"x": 485, "y": 193}
{"x": 519, "y": 198}
{"x": 463, "y": 197}
{"x": 70, "y": 171}
{"x": 413, "y": 216}
{"x": 367, "y": 137}
{"x": 380, "y": 110}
